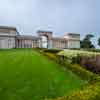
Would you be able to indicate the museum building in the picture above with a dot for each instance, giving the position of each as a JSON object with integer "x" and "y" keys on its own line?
{"x": 11, "y": 38}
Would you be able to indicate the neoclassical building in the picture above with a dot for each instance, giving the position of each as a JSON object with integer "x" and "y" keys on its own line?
{"x": 10, "y": 38}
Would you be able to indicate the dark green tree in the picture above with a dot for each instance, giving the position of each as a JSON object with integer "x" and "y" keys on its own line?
{"x": 99, "y": 41}
{"x": 86, "y": 42}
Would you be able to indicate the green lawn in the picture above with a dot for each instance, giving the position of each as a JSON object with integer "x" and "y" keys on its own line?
{"x": 27, "y": 75}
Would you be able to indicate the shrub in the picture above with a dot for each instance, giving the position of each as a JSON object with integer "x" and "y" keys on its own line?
{"x": 51, "y": 50}
{"x": 92, "y": 50}
{"x": 76, "y": 68}
{"x": 90, "y": 92}
{"x": 51, "y": 56}
{"x": 89, "y": 60}
{"x": 83, "y": 73}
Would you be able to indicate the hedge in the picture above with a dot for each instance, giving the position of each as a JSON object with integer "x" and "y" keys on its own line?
{"x": 87, "y": 49}
{"x": 91, "y": 91}
{"x": 83, "y": 73}
{"x": 52, "y": 50}
{"x": 88, "y": 60}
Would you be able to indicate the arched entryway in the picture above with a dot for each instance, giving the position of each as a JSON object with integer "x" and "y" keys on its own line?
{"x": 44, "y": 41}
{"x": 46, "y": 38}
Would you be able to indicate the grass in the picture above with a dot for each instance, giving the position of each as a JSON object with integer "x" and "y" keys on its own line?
{"x": 27, "y": 75}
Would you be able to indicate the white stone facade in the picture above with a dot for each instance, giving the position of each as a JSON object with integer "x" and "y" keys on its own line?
{"x": 7, "y": 37}
{"x": 10, "y": 38}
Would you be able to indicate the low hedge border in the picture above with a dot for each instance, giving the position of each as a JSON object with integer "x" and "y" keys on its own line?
{"x": 83, "y": 73}
{"x": 87, "y": 60}
{"x": 91, "y": 91}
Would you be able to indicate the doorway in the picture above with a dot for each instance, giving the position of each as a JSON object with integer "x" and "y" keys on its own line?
{"x": 44, "y": 42}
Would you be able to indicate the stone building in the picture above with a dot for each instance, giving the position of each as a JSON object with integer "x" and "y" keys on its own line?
{"x": 10, "y": 38}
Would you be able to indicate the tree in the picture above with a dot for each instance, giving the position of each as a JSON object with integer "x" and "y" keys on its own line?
{"x": 86, "y": 42}
{"x": 99, "y": 41}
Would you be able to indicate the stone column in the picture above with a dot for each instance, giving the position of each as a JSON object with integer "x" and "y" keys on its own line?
{"x": 40, "y": 43}
{"x": 33, "y": 43}
{"x": 22, "y": 43}
{"x": 68, "y": 44}
{"x": 16, "y": 43}
{"x": 50, "y": 44}
{"x": 19, "y": 43}
{"x": 58, "y": 44}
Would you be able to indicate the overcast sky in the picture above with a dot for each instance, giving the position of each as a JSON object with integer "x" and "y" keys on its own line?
{"x": 59, "y": 16}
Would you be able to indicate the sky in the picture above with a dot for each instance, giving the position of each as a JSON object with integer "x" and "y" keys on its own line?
{"x": 59, "y": 16}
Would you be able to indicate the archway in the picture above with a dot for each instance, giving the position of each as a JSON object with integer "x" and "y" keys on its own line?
{"x": 45, "y": 37}
{"x": 44, "y": 41}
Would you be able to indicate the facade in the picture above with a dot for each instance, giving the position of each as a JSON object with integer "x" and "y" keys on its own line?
{"x": 10, "y": 38}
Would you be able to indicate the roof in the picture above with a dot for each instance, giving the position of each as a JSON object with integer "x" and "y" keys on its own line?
{"x": 58, "y": 38}
{"x": 28, "y": 37}
{"x": 43, "y": 31}
{"x": 9, "y": 27}
{"x": 75, "y": 34}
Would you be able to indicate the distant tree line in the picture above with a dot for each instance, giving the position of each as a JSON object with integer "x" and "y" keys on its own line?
{"x": 87, "y": 43}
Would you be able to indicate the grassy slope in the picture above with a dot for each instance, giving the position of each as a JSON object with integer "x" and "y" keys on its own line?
{"x": 27, "y": 75}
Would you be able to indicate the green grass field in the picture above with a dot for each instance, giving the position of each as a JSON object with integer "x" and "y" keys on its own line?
{"x": 27, "y": 75}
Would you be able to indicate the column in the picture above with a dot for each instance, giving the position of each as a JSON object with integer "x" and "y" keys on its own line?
{"x": 21, "y": 43}
{"x": 16, "y": 43}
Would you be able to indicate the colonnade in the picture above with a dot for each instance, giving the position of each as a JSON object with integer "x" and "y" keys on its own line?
{"x": 54, "y": 43}
{"x": 22, "y": 43}
{"x": 57, "y": 43}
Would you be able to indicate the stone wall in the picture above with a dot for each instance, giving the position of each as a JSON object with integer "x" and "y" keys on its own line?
{"x": 7, "y": 42}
